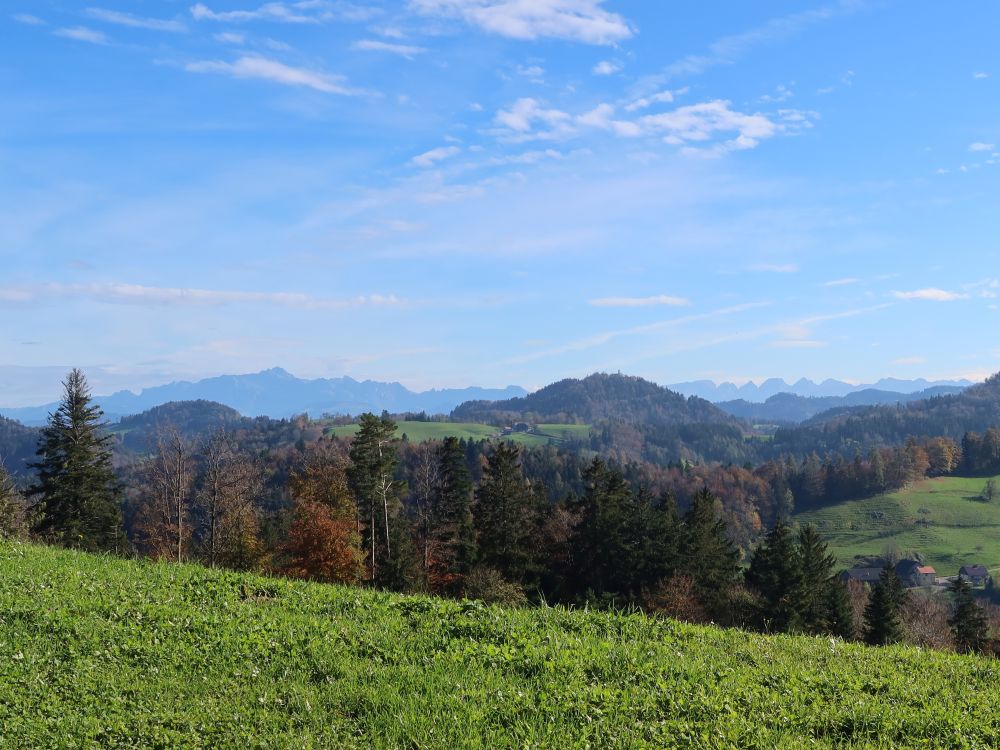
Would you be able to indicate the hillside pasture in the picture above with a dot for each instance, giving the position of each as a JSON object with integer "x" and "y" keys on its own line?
{"x": 99, "y": 652}
{"x": 943, "y": 519}
{"x": 419, "y": 432}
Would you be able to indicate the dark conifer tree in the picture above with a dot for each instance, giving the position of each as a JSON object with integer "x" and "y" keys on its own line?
{"x": 882, "y": 615}
{"x": 371, "y": 478}
{"x": 968, "y": 622}
{"x": 652, "y": 533}
{"x": 79, "y": 498}
{"x": 841, "y": 622}
{"x": 821, "y": 599}
{"x": 707, "y": 554}
{"x": 602, "y": 548}
{"x": 506, "y": 515}
{"x": 776, "y": 574}
{"x": 453, "y": 533}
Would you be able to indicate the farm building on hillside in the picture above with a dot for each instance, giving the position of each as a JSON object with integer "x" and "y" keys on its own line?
{"x": 913, "y": 574}
{"x": 868, "y": 576}
{"x": 976, "y": 575}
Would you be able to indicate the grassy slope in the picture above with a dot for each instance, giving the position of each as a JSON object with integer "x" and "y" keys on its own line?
{"x": 938, "y": 517}
{"x": 98, "y": 652}
{"x": 419, "y": 432}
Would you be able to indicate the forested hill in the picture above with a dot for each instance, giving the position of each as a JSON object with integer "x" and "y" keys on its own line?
{"x": 600, "y": 397}
{"x": 973, "y": 410}
{"x": 17, "y": 445}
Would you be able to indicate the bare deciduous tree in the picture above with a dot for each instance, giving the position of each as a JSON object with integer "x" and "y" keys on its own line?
{"x": 166, "y": 496}
{"x": 226, "y": 504}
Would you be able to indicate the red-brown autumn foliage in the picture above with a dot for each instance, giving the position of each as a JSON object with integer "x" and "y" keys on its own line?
{"x": 324, "y": 543}
{"x": 322, "y": 547}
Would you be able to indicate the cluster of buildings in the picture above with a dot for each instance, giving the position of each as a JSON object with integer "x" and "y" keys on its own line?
{"x": 915, "y": 574}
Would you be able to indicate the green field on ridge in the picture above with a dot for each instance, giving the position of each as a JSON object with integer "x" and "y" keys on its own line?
{"x": 419, "y": 432}
{"x": 941, "y": 518}
{"x": 99, "y": 652}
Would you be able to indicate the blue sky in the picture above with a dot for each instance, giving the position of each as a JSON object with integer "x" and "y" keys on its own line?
{"x": 454, "y": 192}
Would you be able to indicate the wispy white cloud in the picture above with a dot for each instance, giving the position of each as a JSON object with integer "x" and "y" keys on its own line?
{"x": 27, "y": 18}
{"x": 526, "y": 112}
{"x": 842, "y": 282}
{"x": 986, "y": 289}
{"x": 229, "y": 37}
{"x": 264, "y": 69}
{"x": 710, "y": 128}
{"x": 530, "y": 157}
{"x": 432, "y": 157}
{"x": 403, "y": 50}
{"x": 781, "y": 93}
{"x": 659, "y": 299}
{"x": 137, "y": 22}
{"x": 530, "y": 71}
{"x": 600, "y": 339}
{"x": 730, "y": 49}
{"x": 980, "y": 146}
{"x": 980, "y": 75}
{"x": 931, "y": 294}
{"x": 577, "y": 20}
{"x": 268, "y": 11}
{"x": 137, "y": 294}
{"x": 796, "y": 344}
{"x": 661, "y": 97}
{"x": 607, "y": 67}
{"x": 83, "y": 34}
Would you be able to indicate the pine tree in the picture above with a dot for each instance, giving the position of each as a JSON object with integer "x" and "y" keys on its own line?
{"x": 841, "y": 616}
{"x": 968, "y": 622}
{"x": 776, "y": 574}
{"x": 821, "y": 598}
{"x": 453, "y": 532}
{"x": 652, "y": 534}
{"x": 506, "y": 517}
{"x": 602, "y": 548}
{"x": 707, "y": 554}
{"x": 371, "y": 477}
{"x": 79, "y": 498}
{"x": 882, "y": 619}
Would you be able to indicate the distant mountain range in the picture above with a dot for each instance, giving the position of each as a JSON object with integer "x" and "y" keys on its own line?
{"x": 278, "y": 394}
{"x": 787, "y": 407}
{"x": 716, "y": 392}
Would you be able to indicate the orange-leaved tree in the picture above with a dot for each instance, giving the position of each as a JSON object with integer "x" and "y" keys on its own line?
{"x": 323, "y": 541}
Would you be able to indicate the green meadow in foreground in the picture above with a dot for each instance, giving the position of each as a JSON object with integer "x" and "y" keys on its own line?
{"x": 111, "y": 653}
{"x": 941, "y": 518}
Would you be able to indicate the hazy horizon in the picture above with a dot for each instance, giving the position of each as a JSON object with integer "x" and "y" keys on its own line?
{"x": 446, "y": 192}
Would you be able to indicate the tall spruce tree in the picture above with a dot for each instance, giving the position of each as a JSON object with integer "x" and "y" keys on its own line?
{"x": 602, "y": 549}
{"x": 78, "y": 495}
{"x": 506, "y": 517}
{"x": 371, "y": 478}
{"x": 968, "y": 622}
{"x": 708, "y": 556}
{"x": 651, "y": 533}
{"x": 453, "y": 531}
{"x": 821, "y": 599}
{"x": 883, "y": 625}
{"x": 776, "y": 574}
